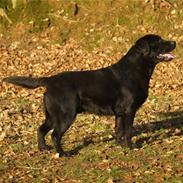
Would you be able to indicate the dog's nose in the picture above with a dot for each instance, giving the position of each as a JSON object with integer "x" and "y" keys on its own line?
{"x": 173, "y": 43}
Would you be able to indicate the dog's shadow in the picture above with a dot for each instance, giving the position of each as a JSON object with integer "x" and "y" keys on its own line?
{"x": 173, "y": 121}
{"x": 86, "y": 142}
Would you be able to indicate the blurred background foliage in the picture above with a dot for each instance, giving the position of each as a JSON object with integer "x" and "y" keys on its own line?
{"x": 93, "y": 23}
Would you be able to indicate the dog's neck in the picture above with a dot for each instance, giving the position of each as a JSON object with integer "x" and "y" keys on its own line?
{"x": 138, "y": 63}
{"x": 150, "y": 65}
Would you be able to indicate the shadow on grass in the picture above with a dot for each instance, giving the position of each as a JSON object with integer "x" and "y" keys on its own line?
{"x": 86, "y": 142}
{"x": 174, "y": 121}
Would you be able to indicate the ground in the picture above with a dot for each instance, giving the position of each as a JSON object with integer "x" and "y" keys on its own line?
{"x": 85, "y": 35}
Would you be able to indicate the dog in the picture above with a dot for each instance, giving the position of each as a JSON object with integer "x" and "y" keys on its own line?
{"x": 119, "y": 90}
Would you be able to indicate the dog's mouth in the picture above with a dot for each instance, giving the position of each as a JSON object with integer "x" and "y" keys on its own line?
{"x": 165, "y": 56}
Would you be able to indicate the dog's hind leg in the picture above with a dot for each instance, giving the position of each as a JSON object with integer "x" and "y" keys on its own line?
{"x": 44, "y": 128}
{"x": 42, "y": 131}
{"x": 62, "y": 111}
{"x": 61, "y": 127}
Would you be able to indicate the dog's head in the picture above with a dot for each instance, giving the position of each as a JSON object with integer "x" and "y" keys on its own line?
{"x": 154, "y": 47}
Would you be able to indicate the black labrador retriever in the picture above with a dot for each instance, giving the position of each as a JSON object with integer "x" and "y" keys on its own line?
{"x": 119, "y": 90}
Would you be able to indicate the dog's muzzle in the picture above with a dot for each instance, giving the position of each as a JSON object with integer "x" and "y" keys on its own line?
{"x": 167, "y": 56}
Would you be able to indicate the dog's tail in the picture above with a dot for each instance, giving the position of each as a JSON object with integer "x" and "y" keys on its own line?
{"x": 26, "y": 82}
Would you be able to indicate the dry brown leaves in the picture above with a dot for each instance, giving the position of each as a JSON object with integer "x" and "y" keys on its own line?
{"x": 21, "y": 111}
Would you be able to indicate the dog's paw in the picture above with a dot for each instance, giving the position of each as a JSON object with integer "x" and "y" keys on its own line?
{"x": 119, "y": 142}
{"x": 45, "y": 148}
{"x": 125, "y": 145}
{"x": 66, "y": 154}
{"x": 129, "y": 146}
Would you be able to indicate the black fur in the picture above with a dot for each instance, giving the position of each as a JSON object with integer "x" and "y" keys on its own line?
{"x": 119, "y": 90}
{"x": 26, "y": 82}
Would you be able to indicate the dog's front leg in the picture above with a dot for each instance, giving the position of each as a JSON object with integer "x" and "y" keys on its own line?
{"x": 119, "y": 129}
{"x": 128, "y": 121}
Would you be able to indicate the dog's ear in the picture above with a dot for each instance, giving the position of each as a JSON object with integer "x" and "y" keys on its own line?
{"x": 142, "y": 46}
